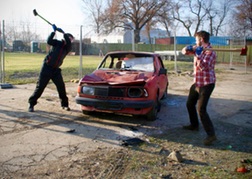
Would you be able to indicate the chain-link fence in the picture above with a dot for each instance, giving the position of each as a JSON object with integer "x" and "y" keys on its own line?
{"x": 231, "y": 60}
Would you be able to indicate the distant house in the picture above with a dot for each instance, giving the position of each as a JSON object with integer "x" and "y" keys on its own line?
{"x": 125, "y": 36}
{"x": 154, "y": 34}
{"x": 164, "y": 41}
{"x": 114, "y": 37}
{"x": 18, "y": 45}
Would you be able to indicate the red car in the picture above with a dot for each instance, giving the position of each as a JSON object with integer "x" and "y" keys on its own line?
{"x": 125, "y": 83}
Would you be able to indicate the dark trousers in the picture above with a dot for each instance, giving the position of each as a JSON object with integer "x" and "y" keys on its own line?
{"x": 48, "y": 73}
{"x": 201, "y": 96}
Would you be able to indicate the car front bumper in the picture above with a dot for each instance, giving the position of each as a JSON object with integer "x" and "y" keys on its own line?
{"x": 114, "y": 104}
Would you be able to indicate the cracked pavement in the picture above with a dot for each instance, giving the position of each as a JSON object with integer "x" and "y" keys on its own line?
{"x": 28, "y": 139}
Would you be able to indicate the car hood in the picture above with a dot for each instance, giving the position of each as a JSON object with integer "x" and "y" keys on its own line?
{"x": 117, "y": 77}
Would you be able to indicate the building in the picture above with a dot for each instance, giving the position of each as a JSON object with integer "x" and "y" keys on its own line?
{"x": 125, "y": 36}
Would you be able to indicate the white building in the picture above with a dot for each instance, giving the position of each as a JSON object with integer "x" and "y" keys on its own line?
{"x": 121, "y": 36}
{"x": 114, "y": 37}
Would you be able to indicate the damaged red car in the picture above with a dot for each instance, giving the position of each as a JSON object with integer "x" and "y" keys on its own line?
{"x": 125, "y": 83}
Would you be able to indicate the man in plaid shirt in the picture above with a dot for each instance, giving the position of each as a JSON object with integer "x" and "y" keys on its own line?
{"x": 204, "y": 83}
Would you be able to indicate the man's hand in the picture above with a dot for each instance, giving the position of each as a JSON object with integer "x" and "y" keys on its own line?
{"x": 198, "y": 51}
{"x": 60, "y": 30}
{"x": 189, "y": 48}
{"x": 54, "y": 27}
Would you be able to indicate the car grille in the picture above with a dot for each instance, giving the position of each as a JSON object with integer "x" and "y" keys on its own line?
{"x": 110, "y": 92}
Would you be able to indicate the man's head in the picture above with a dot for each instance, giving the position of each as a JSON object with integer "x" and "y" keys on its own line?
{"x": 202, "y": 37}
{"x": 71, "y": 37}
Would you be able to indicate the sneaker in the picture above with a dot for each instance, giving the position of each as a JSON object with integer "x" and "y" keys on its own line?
{"x": 31, "y": 108}
{"x": 66, "y": 108}
{"x": 191, "y": 128}
{"x": 209, "y": 140}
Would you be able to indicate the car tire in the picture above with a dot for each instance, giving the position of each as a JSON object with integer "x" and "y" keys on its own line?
{"x": 165, "y": 93}
{"x": 88, "y": 112}
{"x": 152, "y": 115}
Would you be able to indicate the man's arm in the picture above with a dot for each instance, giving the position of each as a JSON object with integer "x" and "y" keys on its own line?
{"x": 50, "y": 40}
{"x": 188, "y": 50}
{"x": 66, "y": 37}
{"x": 68, "y": 42}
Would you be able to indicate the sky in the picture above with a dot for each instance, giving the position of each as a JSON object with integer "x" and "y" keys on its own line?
{"x": 66, "y": 14}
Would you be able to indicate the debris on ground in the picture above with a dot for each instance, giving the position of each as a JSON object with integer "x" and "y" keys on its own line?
{"x": 242, "y": 169}
{"x": 132, "y": 142}
{"x": 175, "y": 156}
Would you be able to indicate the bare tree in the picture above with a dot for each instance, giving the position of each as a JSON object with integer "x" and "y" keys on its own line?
{"x": 196, "y": 14}
{"x": 148, "y": 27}
{"x": 242, "y": 24}
{"x": 21, "y": 31}
{"x": 95, "y": 10}
{"x": 217, "y": 14}
{"x": 164, "y": 16}
{"x": 132, "y": 14}
{"x": 191, "y": 14}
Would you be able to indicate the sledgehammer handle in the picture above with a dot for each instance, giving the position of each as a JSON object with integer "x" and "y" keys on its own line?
{"x": 224, "y": 49}
{"x": 45, "y": 19}
{"x": 243, "y": 51}
{"x": 36, "y": 14}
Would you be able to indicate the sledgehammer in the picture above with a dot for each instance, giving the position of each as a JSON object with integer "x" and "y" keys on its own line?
{"x": 243, "y": 51}
{"x": 36, "y": 14}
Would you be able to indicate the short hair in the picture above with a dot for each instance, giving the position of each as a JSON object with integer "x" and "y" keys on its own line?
{"x": 70, "y": 35}
{"x": 204, "y": 35}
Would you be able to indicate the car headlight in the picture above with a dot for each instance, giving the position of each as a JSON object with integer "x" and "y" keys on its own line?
{"x": 88, "y": 90}
{"x": 137, "y": 92}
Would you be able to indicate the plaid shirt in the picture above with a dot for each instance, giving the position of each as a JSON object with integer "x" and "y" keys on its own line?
{"x": 204, "y": 68}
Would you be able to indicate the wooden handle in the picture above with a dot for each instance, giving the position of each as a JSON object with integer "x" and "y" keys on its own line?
{"x": 243, "y": 51}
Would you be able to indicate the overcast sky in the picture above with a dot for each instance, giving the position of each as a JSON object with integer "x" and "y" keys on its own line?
{"x": 66, "y": 14}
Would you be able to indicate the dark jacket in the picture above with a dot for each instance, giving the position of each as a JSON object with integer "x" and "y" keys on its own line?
{"x": 58, "y": 52}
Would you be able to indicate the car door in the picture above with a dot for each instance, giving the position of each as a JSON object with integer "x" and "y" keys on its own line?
{"x": 162, "y": 76}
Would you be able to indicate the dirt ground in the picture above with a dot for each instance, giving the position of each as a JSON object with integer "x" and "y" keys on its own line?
{"x": 52, "y": 143}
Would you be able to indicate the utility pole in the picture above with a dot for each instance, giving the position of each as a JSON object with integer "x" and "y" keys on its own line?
{"x": 80, "y": 68}
{"x": 1, "y": 47}
{"x": 2, "y": 54}
{"x": 3, "y": 85}
{"x": 133, "y": 39}
{"x": 175, "y": 49}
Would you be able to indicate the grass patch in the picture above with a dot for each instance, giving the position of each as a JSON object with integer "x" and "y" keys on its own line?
{"x": 22, "y": 68}
{"x": 146, "y": 161}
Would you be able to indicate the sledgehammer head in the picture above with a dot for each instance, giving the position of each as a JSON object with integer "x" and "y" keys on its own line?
{"x": 35, "y": 12}
{"x": 244, "y": 51}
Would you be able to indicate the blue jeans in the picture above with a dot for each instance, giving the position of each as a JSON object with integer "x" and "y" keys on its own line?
{"x": 201, "y": 96}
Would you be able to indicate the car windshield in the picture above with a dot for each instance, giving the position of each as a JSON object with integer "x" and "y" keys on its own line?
{"x": 138, "y": 63}
{"x": 128, "y": 62}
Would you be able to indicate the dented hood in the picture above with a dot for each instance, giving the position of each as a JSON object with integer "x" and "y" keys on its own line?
{"x": 117, "y": 77}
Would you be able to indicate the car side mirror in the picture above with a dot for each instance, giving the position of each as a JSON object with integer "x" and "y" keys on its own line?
{"x": 162, "y": 71}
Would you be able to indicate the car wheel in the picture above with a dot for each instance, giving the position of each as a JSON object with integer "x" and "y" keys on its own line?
{"x": 165, "y": 93}
{"x": 87, "y": 112}
{"x": 152, "y": 115}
